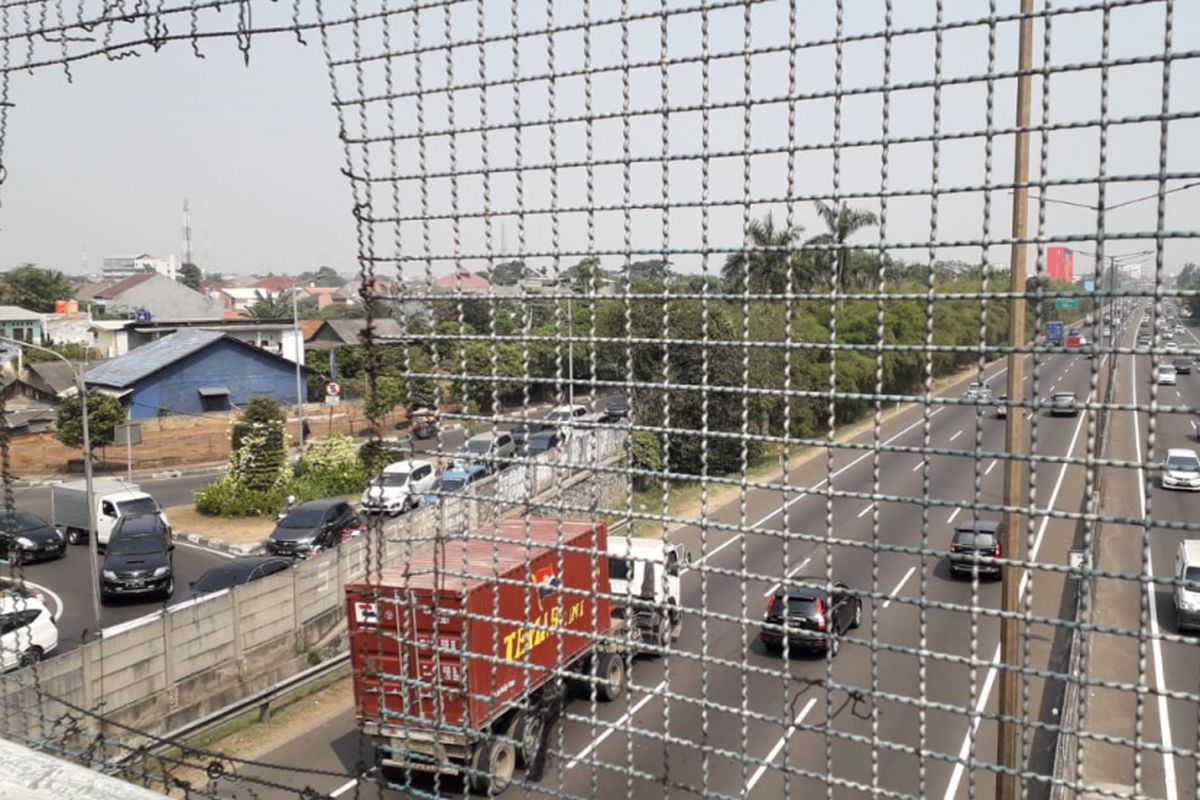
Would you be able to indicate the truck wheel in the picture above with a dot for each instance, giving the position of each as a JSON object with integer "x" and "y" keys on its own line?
{"x": 492, "y": 766}
{"x": 610, "y": 676}
{"x": 526, "y": 732}
{"x": 74, "y": 536}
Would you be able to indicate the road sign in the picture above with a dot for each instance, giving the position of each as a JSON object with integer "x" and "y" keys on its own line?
{"x": 1067, "y": 302}
{"x": 1089, "y": 284}
{"x": 333, "y": 389}
{"x": 127, "y": 434}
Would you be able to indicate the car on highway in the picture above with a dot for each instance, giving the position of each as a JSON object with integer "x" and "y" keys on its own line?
{"x": 138, "y": 559}
{"x": 454, "y": 480}
{"x": 1172, "y": 347}
{"x": 26, "y": 537}
{"x": 566, "y": 414}
{"x": 1002, "y": 407}
{"x": 1187, "y": 591}
{"x": 810, "y": 614}
{"x": 1164, "y": 375}
{"x": 616, "y": 410}
{"x": 238, "y": 571}
{"x": 1064, "y": 404}
{"x": 27, "y": 630}
{"x": 398, "y": 488}
{"x": 973, "y": 546}
{"x": 312, "y": 527}
{"x": 977, "y": 390}
{"x": 523, "y": 430}
{"x": 491, "y": 450}
{"x": 1181, "y": 470}
{"x": 1183, "y": 365}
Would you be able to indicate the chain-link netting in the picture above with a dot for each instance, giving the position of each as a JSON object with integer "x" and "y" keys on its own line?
{"x": 811, "y": 391}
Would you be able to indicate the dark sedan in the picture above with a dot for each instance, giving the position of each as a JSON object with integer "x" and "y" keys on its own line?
{"x": 26, "y": 537}
{"x": 238, "y": 571}
{"x": 312, "y": 527}
{"x": 810, "y": 615}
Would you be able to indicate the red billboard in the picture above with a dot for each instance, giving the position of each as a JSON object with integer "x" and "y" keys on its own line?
{"x": 1060, "y": 264}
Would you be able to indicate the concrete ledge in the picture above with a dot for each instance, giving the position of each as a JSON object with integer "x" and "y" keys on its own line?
{"x": 253, "y": 548}
{"x": 37, "y": 775}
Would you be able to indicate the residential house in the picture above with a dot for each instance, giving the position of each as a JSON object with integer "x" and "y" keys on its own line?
{"x": 274, "y": 284}
{"x": 193, "y": 371}
{"x": 350, "y": 291}
{"x": 55, "y": 379}
{"x": 237, "y": 298}
{"x": 158, "y": 296}
{"x": 325, "y": 296}
{"x": 116, "y": 268}
{"x": 336, "y": 332}
{"x": 30, "y": 400}
{"x": 462, "y": 279}
{"x": 22, "y": 324}
{"x": 279, "y": 337}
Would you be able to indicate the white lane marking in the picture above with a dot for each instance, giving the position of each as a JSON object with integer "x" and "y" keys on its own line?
{"x": 982, "y": 701}
{"x": 58, "y": 603}
{"x": 614, "y": 726}
{"x": 899, "y": 585}
{"x": 345, "y": 787}
{"x": 991, "y": 467}
{"x": 920, "y": 463}
{"x": 956, "y": 435}
{"x": 758, "y": 773}
{"x": 866, "y": 511}
{"x": 805, "y": 493}
{"x": 953, "y": 514}
{"x": 1164, "y": 718}
{"x": 790, "y": 573}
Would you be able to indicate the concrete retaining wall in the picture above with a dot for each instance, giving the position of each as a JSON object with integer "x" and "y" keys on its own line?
{"x": 159, "y": 672}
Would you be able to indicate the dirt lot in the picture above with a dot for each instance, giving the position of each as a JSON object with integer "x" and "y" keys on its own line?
{"x": 240, "y": 530}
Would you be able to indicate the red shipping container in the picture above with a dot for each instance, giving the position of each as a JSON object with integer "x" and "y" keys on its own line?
{"x": 456, "y": 637}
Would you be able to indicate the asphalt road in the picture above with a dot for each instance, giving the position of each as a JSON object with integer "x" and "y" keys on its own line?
{"x": 736, "y": 721}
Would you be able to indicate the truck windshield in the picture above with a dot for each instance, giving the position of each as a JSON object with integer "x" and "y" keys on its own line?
{"x": 142, "y": 505}
{"x": 618, "y": 569}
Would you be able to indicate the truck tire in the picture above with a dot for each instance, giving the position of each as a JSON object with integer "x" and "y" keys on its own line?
{"x": 492, "y": 766}
{"x": 610, "y": 676}
{"x": 74, "y": 536}
{"x": 526, "y": 732}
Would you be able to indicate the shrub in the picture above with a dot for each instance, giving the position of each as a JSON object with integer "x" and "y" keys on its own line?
{"x": 225, "y": 498}
{"x": 330, "y": 466}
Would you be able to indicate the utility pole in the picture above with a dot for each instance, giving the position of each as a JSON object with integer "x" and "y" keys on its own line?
{"x": 299, "y": 342}
{"x": 1009, "y": 742}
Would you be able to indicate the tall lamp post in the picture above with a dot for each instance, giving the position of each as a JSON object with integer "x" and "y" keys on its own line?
{"x": 299, "y": 357}
{"x": 93, "y": 548}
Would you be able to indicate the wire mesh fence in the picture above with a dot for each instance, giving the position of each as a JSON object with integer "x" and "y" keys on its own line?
{"x": 867, "y": 330}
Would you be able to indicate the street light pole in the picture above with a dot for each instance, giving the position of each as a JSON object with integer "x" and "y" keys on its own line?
{"x": 89, "y": 489}
{"x": 570, "y": 355}
{"x": 299, "y": 356}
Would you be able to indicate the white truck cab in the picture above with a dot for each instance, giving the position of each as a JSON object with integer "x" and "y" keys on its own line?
{"x": 644, "y": 575}
{"x": 113, "y": 499}
{"x": 1187, "y": 591}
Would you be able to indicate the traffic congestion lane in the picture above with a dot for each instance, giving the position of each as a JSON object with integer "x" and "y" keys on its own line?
{"x": 69, "y": 578}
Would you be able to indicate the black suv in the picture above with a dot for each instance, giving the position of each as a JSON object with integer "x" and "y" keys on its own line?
{"x": 974, "y": 546}
{"x": 813, "y": 614}
{"x": 138, "y": 559}
{"x": 312, "y": 527}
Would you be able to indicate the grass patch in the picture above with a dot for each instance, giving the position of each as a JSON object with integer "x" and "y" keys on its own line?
{"x": 248, "y": 735}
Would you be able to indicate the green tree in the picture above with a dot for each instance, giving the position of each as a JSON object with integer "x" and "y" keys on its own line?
{"x": 324, "y": 276}
{"x": 508, "y": 273}
{"x": 105, "y": 413}
{"x": 68, "y": 350}
{"x": 34, "y": 288}
{"x": 841, "y": 222}
{"x": 763, "y": 267}
{"x": 270, "y": 305}
{"x": 190, "y": 275}
{"x": 383, "y": 397}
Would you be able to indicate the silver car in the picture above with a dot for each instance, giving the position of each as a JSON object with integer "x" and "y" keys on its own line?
{"x": 491, "y": 450}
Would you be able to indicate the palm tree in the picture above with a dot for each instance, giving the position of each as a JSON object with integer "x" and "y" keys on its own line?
{"x": 270, "y": 305}
{"x": 763, "y": 267}
{"x": 841, "y": 222}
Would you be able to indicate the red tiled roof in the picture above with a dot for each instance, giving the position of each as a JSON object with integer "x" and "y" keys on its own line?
{"x": 274, "y": 283}
{"x": 309, "y": 327}
{"x": 463, "y": 278}
{"x": 122, "y": 286}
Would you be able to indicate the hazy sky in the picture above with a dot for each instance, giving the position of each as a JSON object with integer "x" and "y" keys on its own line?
{"x": 105, "y": 162}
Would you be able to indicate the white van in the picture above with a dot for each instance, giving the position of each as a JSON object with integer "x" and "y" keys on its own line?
{"x": 1187, "y": 591}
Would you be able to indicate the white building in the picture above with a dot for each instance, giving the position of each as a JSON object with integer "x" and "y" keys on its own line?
{"x": 119, "y": 267}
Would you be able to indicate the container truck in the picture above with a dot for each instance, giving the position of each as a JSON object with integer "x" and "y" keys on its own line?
{"x": 1055, "y": 331}
{"x": 112, "y": 498}
{"x": 462, "y": 655}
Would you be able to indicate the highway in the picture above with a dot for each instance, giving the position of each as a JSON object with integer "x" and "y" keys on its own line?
{"x": 735, "y": 721}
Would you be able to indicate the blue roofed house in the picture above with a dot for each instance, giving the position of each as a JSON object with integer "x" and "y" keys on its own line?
{"x": 193, "y": 371}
